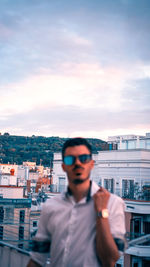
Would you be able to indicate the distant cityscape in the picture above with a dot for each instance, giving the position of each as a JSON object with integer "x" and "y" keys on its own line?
{"x": 122, "y": 166}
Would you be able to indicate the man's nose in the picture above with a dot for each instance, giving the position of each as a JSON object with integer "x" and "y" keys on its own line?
{"x": 77, "y": 161}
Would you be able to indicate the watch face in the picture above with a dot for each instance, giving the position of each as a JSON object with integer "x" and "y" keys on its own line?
{"x": 105, "y": 213}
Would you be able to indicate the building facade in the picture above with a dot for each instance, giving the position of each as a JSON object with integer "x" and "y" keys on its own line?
{"x": 137, "y": 216}
{"x": 123, "y": 172}
{"x": 59, "y": 176}
{"x": 130, "y": 141}
{"x": 15, "y": 221}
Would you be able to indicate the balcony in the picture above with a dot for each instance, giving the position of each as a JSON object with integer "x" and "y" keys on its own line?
{"x": 139, "y": 251}
{"x": 139, "y": 247}
{"x": 12, "y": 256}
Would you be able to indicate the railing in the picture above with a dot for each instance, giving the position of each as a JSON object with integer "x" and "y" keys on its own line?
{"x": 140, "y": 240}
{"x": 132, "y": 236}
{"x": 11, "y": 256}
{"x": 139, "y": 247}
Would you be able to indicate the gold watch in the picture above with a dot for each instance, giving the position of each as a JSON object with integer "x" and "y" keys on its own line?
{"x": 103, "y": 213}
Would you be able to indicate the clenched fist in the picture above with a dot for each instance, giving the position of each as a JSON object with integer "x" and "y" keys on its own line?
{"x": 101, "y": 198}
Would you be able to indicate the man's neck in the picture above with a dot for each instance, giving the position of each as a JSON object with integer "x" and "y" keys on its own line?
{"x": 79, "y": 191}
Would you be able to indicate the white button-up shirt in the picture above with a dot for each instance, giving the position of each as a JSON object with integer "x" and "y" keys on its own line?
{"x": 71, "y": 229}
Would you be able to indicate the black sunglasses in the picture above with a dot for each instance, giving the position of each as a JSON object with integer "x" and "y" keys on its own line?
{"x": 70, "y": 160}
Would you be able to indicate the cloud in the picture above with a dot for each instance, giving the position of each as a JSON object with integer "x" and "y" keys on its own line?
{"x": 81, "y": 85}
{"x": 79, "y": 64}
{"x": 73, "y": 121}
{"x": 138, "y": 94}
{"x": 84, "y": 85}
{"x": 48, "y": 34}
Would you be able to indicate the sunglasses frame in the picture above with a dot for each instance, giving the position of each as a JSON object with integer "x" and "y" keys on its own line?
{"x": 88, "y": 158}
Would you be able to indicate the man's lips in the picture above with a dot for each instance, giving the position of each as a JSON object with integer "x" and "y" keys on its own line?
{"x": 78, "y": 172}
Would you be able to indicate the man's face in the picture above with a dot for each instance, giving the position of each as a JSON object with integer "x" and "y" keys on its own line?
{"x": 78, "y": 172}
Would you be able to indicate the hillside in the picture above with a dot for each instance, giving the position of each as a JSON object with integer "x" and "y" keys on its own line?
{"x": 16, "y": 149}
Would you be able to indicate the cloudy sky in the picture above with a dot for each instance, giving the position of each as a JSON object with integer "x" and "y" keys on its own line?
{"x": 75, "y": 67}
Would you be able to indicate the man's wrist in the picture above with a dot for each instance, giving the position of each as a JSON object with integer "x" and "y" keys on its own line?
{"x": 103, "y": 213}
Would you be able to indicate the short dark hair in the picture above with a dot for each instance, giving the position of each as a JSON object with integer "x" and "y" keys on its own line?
{"x": 77, "y": 141}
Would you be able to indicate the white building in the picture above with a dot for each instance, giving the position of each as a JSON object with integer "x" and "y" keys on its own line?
{"x": 8, "y": 179}
{"x": 130, "y": 141}
{"x": 23, "y": 172}
{"x": 11, "y": 192}
{"x": 12, "y": 174}
{"x": 59, "y": 176}
{"x": 7, "y": 168}
{"x": 123, "y": 172}
{"x": 31, "y": 165}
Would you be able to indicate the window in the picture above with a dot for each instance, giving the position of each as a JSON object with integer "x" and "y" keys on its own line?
{"x": 34, "y": 223}
{"x": 1, "y": 214}
{"x": 136, "y": 262}
{"x": 128, "y": 188}
{"x": 21, "y": 232}
{"x": 124, "y": 145}
{"x": 100, "y": 182}
{"x": 1, "y": 232}
{"x": 145, "y": 263}
{"x": 146, "y": 227}
{"x": 61, "y": 184}
{"x": 9, "y": 216}
{"x": 142, "y": 143}
{"x": 132, "y": 144}
{"x": 22, "y": 216}
{"x": 136, "y": 227}
{"x": 148, "y": 144}
{"x": 109, "y": 185}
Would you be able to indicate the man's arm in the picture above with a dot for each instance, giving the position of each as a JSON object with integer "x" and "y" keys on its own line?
{"x": 106, "y": 247}
{"x": 32, "y": 263}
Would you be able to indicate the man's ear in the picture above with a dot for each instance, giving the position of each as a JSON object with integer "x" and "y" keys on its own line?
{"x": 92, "y": 163}
{"x": 63, "y": 167}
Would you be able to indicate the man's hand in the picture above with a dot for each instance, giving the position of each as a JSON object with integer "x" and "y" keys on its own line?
{"x": 32, "y": 263}
{"x": 101, "y": 198}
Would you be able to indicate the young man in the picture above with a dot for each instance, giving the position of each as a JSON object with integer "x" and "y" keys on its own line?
{"x": 85, "y": 225}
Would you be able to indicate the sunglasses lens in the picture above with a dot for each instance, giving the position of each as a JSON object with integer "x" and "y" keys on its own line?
{"x": 85, "y": 158}
{"x": 69, "y": 160}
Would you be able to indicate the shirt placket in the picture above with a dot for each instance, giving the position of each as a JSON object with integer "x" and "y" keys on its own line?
{"x": 70, "y": 234}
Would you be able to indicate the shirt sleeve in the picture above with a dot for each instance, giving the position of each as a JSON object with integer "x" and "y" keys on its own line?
{"x": 116, "y": 208}
{"x": 41, "y": 236}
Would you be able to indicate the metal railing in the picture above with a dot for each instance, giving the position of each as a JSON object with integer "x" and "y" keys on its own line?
{"x": 11, "y": 256}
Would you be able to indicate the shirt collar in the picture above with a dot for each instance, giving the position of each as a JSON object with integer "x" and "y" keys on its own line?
{"x": 92, "y": 190}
